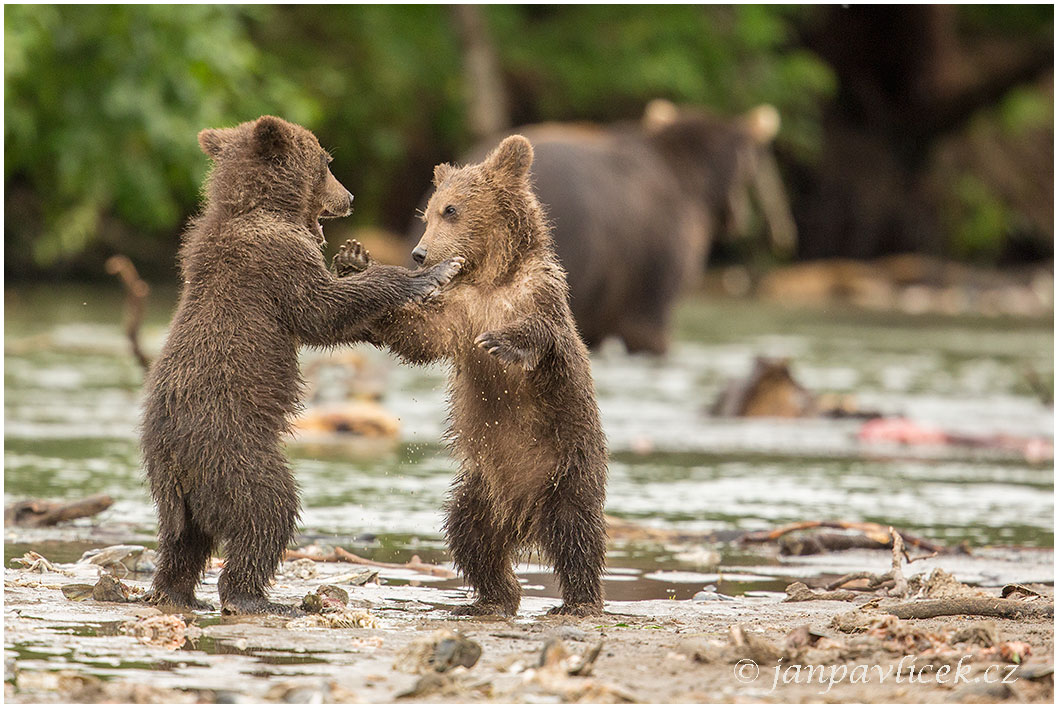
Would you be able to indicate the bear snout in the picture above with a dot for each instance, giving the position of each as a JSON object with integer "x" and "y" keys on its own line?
{"x": 340, "y": 207}
{"x": 419, "y": 255}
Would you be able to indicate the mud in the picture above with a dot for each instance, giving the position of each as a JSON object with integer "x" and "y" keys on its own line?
{"x": 650, "y": 650}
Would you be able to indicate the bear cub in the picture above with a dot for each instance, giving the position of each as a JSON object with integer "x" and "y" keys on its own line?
{"x": 524, "y": 423}
{"x": 220, "y": 395}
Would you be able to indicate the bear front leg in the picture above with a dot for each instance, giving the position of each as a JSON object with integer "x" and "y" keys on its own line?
{"x": 523, "y": 343}
{"x": 482, "y": 552}
{"x": 351, "y": 258}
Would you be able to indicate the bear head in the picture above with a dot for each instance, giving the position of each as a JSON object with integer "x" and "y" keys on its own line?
{"x": 486, "y": 213}
{"x": 715, "y": 158}
{"x": 272, "y": 164}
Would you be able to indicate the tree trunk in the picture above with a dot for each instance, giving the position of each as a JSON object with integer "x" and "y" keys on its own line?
{"x": 905, "y": 80}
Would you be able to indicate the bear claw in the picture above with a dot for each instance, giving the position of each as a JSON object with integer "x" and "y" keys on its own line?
{"x": 439, "y": 276}
{"x": 497, "y": 346}
{"x": 351, "y": 258}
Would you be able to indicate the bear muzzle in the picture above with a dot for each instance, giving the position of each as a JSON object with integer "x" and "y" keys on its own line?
{"x": 338, "y": 208}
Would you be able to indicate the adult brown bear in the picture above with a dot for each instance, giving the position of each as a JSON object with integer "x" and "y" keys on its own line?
{"x": 634, "y": 208}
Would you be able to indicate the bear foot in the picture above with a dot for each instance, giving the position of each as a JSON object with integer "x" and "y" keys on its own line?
{"x": 156, "y": 597}
{"x": 580, "y": 610}
{"x": 351, "y": 258}
{"x": 255, "y": 605}
{"x": 480, "y": 608}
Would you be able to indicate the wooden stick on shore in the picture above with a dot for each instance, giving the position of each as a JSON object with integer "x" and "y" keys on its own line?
{"x": 339, "y": 555}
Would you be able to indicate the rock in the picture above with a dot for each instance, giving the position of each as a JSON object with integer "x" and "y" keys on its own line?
{"x": 456, "y": 651}
{"x": 300, "y": 568}
{"x": 109, "y": 589}
{"x": 570, "y": 632}
{"x": 439, "y": 652}
{"x": 164, "y": 631}
{"x": 344, "y": 618}
{"x": 77, "y": 591}
{"x": 709, "y": 593}
{"x": 333, "y": 595}
{"x": 364, "y": 577}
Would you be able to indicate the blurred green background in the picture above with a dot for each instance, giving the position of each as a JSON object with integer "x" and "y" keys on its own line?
{"x": 102, "y": 105}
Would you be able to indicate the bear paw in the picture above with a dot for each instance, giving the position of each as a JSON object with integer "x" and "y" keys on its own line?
{"x": 351, "y": 258}
{"x": 435, "y": 278}
{"x": 162, "y": 598}
{"x": 580, "y": 610}
{"x": 499, "y": 346}
{"x": 254, "y": 605}
{"x": 481, "y": 608}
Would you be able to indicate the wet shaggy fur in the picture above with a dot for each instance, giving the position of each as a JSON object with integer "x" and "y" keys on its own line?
{"x": 524, "y": 423}
{"x": 219, "y": 397}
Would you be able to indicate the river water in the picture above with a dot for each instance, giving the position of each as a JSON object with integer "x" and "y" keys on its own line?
{"x": 72, "y": 393}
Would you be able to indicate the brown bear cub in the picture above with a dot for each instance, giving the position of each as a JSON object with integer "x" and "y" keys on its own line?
{"x": 220, "y": 395}
{"x": 524, "y": 423}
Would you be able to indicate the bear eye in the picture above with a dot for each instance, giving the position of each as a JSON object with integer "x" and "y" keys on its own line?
{"x": 449, "y": 211}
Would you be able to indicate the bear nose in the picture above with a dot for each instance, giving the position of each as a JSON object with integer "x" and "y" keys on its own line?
{"x": 418, "y": 255}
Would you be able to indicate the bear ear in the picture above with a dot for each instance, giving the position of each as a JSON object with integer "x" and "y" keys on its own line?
{"x": 212, "y": 141}
{"x": 270, "y": 135}
{"x": 512, "y": 159}
{"x": 659, "y": 113}
{"x": 762, "y": 123}
{"x": 441, "y": 173}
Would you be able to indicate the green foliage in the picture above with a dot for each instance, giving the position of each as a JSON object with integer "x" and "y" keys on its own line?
{"x": 727, "y": 58}
{"x": 390, "y": 79}
{"x": 981, "y": 223}
{"x": 102, "y": 104}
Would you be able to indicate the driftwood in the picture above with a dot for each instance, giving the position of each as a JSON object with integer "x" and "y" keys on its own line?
{"x": 893, "y": 579}
{"x": 822, "y": 543}
{"x": 136, "y": 291}
{"x": 45, "y": 513}
{"x": 341, "y": 555}
{"x": 874, "y": 531}
{"x": 996, "y": 607}
{"x": 798, "y": 592}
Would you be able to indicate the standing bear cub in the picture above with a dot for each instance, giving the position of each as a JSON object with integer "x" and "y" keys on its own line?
{"x": 220, "y": 395}
{"x": 524, "y": 423}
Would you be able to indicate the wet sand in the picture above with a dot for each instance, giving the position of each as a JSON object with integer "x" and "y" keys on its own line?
{"x": 59, "y": 650}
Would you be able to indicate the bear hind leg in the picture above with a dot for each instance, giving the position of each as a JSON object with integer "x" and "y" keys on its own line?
{"x": 572, "y": 533}
{"x": 482, "y": 552}
{"x": 184, "y": 550}
{"x": 255, "y": 544}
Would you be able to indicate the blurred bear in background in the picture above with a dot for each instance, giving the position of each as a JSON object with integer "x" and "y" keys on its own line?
{"x": 636, "y": 206}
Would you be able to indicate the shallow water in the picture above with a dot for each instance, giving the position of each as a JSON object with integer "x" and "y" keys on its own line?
{"x": 72, "y": 392}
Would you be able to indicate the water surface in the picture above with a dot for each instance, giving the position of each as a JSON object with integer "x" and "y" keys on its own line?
{"x": 72, "y": 394}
